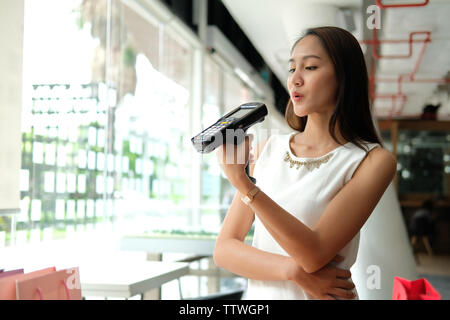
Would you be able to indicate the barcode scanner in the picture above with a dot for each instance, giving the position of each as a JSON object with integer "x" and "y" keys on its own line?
{"x": 230, "y": 128}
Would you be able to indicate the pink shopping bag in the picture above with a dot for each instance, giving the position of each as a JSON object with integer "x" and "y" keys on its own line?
{"x": 5, "y": 274}
{"x": 8, "y": 284}
{"x": 59, "y": 285}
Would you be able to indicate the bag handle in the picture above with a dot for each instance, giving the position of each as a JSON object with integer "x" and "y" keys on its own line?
{"x": 41, "y": 296}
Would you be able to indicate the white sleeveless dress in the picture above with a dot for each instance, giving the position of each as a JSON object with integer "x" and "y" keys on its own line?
{"x": 304, "y": 192}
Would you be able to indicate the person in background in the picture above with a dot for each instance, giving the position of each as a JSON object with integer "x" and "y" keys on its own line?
{"x": 422, "y": 225}
{"x": 315, "y": 187}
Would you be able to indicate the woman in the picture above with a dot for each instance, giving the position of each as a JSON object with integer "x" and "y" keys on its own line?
{"x": 316, "y": 187}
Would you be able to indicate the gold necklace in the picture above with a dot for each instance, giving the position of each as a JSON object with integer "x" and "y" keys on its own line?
{"x": 310, "y": 165}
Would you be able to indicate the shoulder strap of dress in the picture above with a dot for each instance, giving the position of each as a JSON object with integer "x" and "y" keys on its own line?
{"x": 358, "y": 158}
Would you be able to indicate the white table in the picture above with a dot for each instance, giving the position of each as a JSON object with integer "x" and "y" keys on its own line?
{"x": 102, "y": 273}
{"x": 198, "y": 246}
{"x": 158, "y": 245}
{"x": 128, "y": 279}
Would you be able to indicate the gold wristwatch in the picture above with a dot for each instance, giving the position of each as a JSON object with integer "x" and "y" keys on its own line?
{"x": 247, "y": 199}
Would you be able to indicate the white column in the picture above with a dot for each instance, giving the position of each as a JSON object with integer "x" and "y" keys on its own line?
{"x": 11, "y": 67}
{"x": 384, "y": 251}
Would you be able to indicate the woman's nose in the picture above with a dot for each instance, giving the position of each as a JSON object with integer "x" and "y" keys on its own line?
{"x": 296, "y": 79}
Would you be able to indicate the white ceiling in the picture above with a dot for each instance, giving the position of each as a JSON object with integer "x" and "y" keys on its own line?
{"x": 273, "y": 25}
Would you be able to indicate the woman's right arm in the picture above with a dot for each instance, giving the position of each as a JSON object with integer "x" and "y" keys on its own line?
{"x": 234, "y": 255}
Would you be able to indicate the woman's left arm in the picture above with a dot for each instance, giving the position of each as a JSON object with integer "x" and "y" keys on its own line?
{"x": 342, "y": 219}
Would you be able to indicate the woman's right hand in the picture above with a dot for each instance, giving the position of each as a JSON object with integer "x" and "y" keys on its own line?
{"x": 325, "y": 284}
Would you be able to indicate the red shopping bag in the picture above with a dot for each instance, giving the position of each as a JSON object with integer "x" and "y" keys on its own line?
{"x": 419, "y": 289}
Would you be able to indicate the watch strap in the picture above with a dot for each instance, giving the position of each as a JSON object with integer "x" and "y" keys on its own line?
{"x": 248, "y": 198}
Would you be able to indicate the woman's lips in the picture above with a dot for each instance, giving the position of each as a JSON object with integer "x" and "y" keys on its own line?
{"x": 297, "y": 97}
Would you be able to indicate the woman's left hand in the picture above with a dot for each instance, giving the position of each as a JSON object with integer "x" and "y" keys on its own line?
{"x": 233, "y": 159}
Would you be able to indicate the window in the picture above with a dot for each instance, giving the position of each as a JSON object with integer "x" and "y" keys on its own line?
{"x": 211, "y": 182}
{"x": 107, "y": 123}
{"x": 152, "y": 124}
{"x": 64, "y": 123}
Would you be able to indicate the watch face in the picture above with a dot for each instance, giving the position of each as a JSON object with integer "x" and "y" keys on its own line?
{"x": 246, "y": 199}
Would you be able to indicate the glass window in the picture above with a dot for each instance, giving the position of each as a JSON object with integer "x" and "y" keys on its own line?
{"x": 224, "y": 91}
{"x": 235, "y": 92}
{"x": 64, "y": 110}
{"x": 151, "y": 125}
{"x": 422, "y": 149}
{"x": 106, "y": 122}
{"x": 423, "y": 158}
{"x": 211, "y": 182}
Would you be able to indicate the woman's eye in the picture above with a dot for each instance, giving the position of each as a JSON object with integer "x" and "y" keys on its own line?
{"x": 291, "y": 70}
{"x": 311, "y": 68}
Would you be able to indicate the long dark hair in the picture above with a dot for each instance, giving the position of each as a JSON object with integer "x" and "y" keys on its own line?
{"x": 352, "y": 110}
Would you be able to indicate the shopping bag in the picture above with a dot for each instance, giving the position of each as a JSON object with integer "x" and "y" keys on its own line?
{"x": 419, "y": 289}
{"x": 5, "y": 274}
{"x": 59, "y": 285}
{"x": 8, "y": 284}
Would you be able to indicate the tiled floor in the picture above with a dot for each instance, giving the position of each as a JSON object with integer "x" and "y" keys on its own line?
{"x": 435, "y": 264}
{"x": 436, "y": 269}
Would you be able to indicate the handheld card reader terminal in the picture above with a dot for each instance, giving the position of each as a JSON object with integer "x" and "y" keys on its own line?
{"x": 230, "y": 128}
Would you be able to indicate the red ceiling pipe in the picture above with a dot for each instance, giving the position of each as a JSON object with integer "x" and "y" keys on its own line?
{"x": 391, "y": 96}
{"x": 389, "y": 41}
{"x": 375, "y": 55}
{"x": 394, "y": 98}
{"x": 416, "y": 67}
{"x": 380, "y": 4}
{"x": 422, "y": 52}
{"x": 400, "y": 80}
{"x": 374, "y": 42}
{"x": 372, "y": 82}
{"x": 410, "y": 41}
{"x": 402, "y": 105}
{"x": 422, "y": 80}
